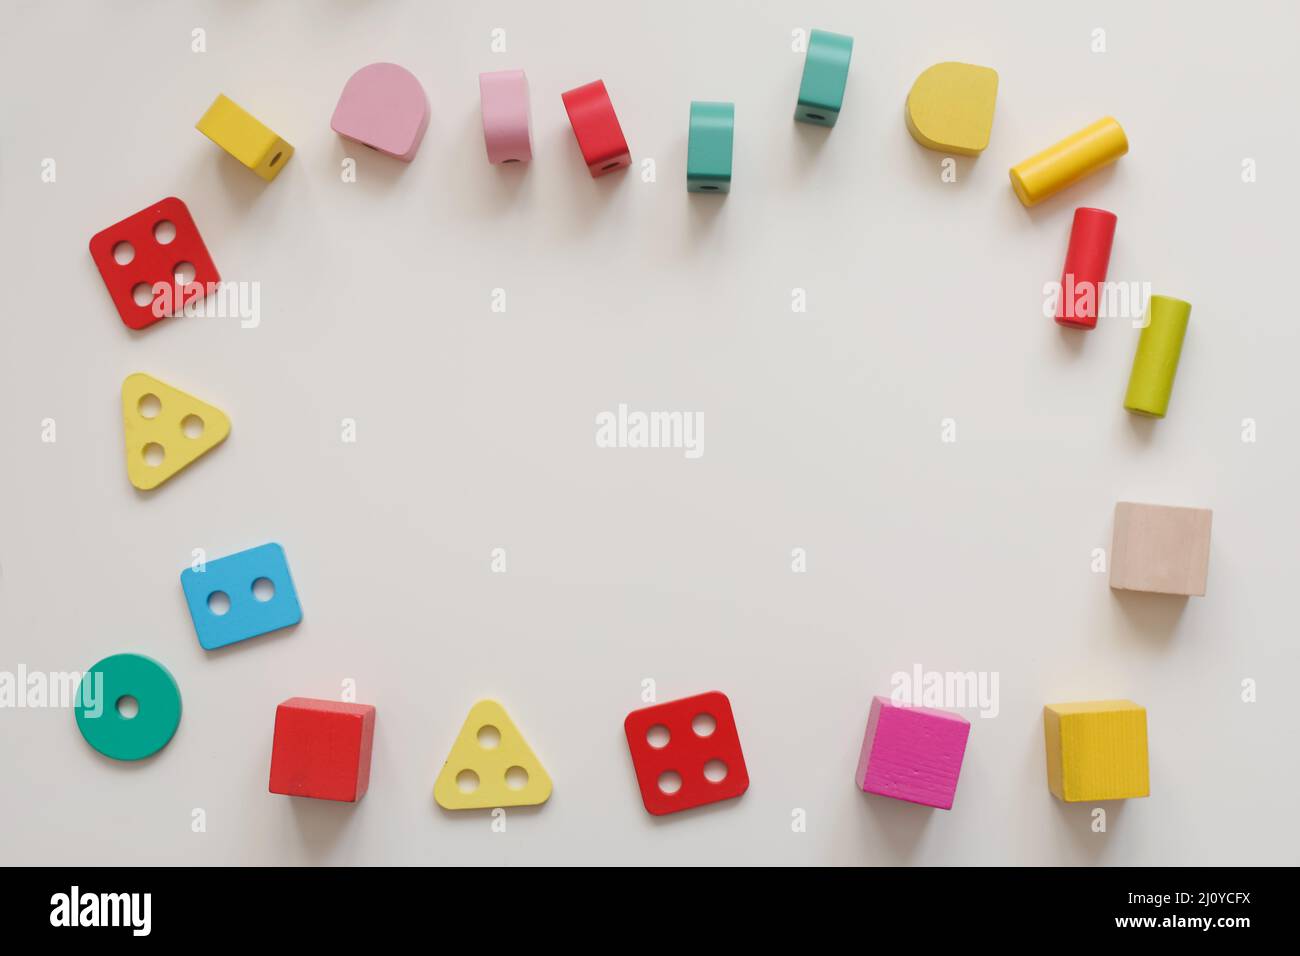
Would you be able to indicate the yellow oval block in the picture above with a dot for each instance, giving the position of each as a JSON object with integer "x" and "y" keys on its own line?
{"x": 1069, "y": 161}
{"x": 166, "y": 429}
{"x": 950, "y": 108}
{"x": 491, "y": 765}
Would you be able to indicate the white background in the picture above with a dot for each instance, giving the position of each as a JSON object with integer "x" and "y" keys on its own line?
{"x": 475, "y": 430}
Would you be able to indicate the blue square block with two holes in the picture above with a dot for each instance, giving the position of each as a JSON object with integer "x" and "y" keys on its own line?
{"x": 240, "y": 596}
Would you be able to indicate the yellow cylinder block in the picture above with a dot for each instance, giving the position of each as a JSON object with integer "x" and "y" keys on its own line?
{"x": 1069, "y": 161}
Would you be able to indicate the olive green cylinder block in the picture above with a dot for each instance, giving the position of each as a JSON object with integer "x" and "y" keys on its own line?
{"x": 1152, "y": 380}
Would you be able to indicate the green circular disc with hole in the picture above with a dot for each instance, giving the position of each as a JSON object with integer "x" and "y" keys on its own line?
{"x": 155, "y": 692}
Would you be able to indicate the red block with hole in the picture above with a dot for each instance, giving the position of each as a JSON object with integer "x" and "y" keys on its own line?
{"x": 151, "y": 262}
{"x": 322, "y": 749}
{"x": 686, "y": 752}
{"x": 591, "y": 114}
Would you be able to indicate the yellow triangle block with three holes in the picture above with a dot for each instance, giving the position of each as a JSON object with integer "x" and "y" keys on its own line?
{"x": 166, "y": 429}
{"x": 489, "y": 765}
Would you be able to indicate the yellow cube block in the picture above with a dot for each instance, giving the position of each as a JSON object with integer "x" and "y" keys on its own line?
{"x": 1096, "y": 750}
{"x": 240, "y": 134}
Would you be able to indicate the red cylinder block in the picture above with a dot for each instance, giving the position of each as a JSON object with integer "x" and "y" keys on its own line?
{"x": 1086, "y": 262}
{"x": 596, "y": 126}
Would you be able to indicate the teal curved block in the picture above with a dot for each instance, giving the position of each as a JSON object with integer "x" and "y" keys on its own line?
{"x": 825, "y": 74}
{"x": 709, "y": 147}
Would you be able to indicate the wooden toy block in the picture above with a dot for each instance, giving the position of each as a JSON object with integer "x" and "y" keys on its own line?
{"x": 241, "y": 596}
{"x": 383, "y": 106}
{"x": 240, "y": 134}
{"x": 103, "y": 688}
{"x": 1096, "y": 750}
{"x": 166, "y": 429}
{"x": 1160, "y": 548}
{"x": 321, "y": 749}
{"x": 912, "y": 753}
{"x": 595, "y": 125}
{"x": 507, "y": 118}
{"x": 1086, "y": 260}
{"x": 1151, "y": 382}
{"x": 491, "y": 765}
{"x": 691, "y": 743}
{"x": 1068, "y": 161}
{"x": 825, "y": 75}
{"x": 709, "y": 147}
{"x": 950, "y": 108}
{"x": 140, "y": 258}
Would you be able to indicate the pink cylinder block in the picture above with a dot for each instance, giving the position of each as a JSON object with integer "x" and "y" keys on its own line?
{"x": 383, "y": 106}
{"x": 507, "y": 128}
{"x": 912, "y": 753}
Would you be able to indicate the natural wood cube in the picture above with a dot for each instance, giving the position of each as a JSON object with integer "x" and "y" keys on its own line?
{"x": 1160, "y": 548}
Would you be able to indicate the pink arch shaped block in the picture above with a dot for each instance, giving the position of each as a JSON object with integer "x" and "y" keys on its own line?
{"x": 384, "y": 107}
{"x": 507, "y": 129}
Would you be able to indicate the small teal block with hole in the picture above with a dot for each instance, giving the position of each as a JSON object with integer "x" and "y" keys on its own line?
{"x": 248, "y": 614}
{"x": 825, "y": 74}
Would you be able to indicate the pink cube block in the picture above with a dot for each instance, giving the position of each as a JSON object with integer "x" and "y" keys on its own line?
{"x": 507, "y": 126}
{"x": 912, "y": 753}
{"x": 383, "y": 106}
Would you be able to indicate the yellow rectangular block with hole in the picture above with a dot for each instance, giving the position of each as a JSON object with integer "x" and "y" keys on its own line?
{"x": 1096, "y": 750}
{"x": 241, "y": 135}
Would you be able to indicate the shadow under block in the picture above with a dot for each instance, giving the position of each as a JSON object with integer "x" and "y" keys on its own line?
{"x": 912, "y": 753}
{"x": 1155, "y": 362}
{"x": 1065, "y": 163}
{"x": 596, "y": 128}
{"x": 321, "y": 749}
{"x": 1096, "y": 750}
{"x": 507, "y": 116}
{"x": 1160, "y": 549}
{"x": 154, "y": 263}
{"x": 240, "y": 134}
{"x": 709, "y": 147}
{"x": 487, "y": 769}
{"x": 247, "y": 614}
{"x": 383, "y": 106}
{"x": 165, "y": 432}
{"x": 103, "y": 725}
{"x": 950, "y": 108}
{"x": 686, "y": 750}
{"x": 825, "y": 75}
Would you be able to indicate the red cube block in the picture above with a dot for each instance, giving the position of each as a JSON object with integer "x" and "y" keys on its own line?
{"x": 142, "y": 256}
{"x": 591, "y": 114}
{"x": 322, "y": 749}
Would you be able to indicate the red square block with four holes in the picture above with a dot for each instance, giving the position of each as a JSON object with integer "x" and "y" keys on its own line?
{"x": 322, "y": 749}
{"x": 153, "y": 246}
{"x": 692, "y": 741}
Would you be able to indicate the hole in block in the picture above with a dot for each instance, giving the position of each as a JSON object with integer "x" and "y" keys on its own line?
{"x": 123, "y": 253}
{"x": 715, "y": 771}
{"x": 164, "y": 231}
{"x": 670, "y": 781}
{"x": 127, "y": 706}
{"x": 467, "y": 781}
{"x": 814, "y": 116}
{"x": 184, "y": 272}
{"x": 489, "y": 738}
{"x": 192, "y": 426}
{"x": 141, "y": 293}
{"x": 153, "y": 454}
{"x": 149, "y": 406}
{"x": 219, "y": 603}
{"x": 275, "y": 159}
{"x": 708, "y": 187}
{"x": 704, "y": 725}
{"x": 504, "y": 161}
{"x": 657, "y": 736}
{"x": 516, "y": 778}
{"x": 610, "y": 165}
{"x": 263, "y": 589}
